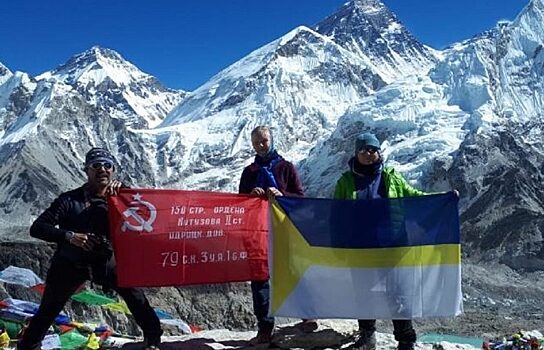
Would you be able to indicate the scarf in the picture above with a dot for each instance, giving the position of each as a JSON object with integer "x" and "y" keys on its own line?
{"x": 367, "y": 179}
{"x": 265, "y": 178}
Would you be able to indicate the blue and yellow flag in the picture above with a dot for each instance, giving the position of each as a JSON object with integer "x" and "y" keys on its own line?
{"x": 366, "y": 259}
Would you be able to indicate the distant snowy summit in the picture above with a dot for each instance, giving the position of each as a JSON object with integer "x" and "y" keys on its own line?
{"x": 108, "y": 81}
{"x": 370, "y": 30}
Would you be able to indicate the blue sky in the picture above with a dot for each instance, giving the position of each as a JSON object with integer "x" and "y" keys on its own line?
{"x": 185, "y": 42}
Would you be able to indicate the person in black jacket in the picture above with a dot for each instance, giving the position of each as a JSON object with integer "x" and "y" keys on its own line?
{"x": 77, "y": 221}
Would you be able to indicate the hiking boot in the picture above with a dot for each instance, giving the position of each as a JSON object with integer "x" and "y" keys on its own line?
{"x": 264, "y": 336}
{"x": 307, "y": 326}
{"x": 405, "y": 346}
{"x": 366, "y": 342}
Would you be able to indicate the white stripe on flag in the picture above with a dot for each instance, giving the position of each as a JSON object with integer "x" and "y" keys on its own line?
{"x": 385, "y": 293}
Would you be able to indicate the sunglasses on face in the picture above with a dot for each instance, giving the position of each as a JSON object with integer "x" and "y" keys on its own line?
{"x": 98, "y": 165}
{"x": 370, "y": 150}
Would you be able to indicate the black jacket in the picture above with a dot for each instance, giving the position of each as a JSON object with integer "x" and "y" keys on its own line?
{"x": 75, "y": 211}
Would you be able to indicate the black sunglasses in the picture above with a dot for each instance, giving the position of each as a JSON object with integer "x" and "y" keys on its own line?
{"x": 98, "y": 165}
{"x": 370, "y": 150}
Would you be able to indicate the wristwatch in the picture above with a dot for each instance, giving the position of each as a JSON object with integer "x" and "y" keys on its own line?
{"x": 69, "y": 235}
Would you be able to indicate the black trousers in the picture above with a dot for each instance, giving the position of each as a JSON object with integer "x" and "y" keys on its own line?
{"x": 63, "y": 279}
{"x": 261, "y": 301}
{"x": 402, "y": 329}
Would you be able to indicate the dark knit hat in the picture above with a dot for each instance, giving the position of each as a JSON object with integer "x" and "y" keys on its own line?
{"x": 98, "y": 154}
{"x": 366, "y": 140}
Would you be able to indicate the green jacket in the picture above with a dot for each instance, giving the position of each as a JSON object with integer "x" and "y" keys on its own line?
{"x": 395, "y": 185}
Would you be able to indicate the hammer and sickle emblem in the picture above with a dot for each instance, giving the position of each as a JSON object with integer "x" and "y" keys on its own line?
{"x": 143, "y": 225}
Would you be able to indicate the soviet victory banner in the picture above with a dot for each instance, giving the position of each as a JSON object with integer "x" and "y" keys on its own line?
{"x": 173, "y": 237}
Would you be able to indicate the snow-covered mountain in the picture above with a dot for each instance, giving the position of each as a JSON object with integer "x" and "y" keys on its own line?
{"x": 521, "y": 58}
{"x": 107, "y": 81}
{"x": 502, "y": 166}
{"x": 16, "y": 91}
{"x": 474, "y": 122}
{"x": 371, "y": 31}
{"x": 42, "y": 149}
{"x": 49, "y": 122}
{"x": 411, "y": 116}
{"x": 299, "y": 84}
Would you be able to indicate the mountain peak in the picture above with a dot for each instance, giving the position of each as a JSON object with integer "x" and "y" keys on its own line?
{"x": 101, "y": 53}
{"x": 369, "y": 29}
{"x": 358, "y": 15}
{"x": 530, "y": 19}
{"x": 130, "y": 92}
{"x": 367, "y": 6}
{"x": 92, "y": 62}
{"x": 300, "y": 62}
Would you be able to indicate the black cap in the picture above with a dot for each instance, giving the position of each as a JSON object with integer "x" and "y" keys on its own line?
{"x": 98, "y": 154}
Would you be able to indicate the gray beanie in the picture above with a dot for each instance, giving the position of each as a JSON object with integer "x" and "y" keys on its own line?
{"x": 366, "y": 140}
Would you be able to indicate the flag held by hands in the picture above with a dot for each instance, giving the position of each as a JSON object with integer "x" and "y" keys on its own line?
{"x": 366, "y": 259}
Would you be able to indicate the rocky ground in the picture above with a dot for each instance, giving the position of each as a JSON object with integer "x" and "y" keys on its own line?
{"x": 331, "y": 334}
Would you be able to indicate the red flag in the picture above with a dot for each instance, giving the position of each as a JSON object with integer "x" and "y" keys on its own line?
{"x": 63, "y": 328}
{"x": 172, "y": 238}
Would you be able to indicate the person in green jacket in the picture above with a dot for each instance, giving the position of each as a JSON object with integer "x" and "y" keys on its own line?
{"x": 368, "y": 178}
